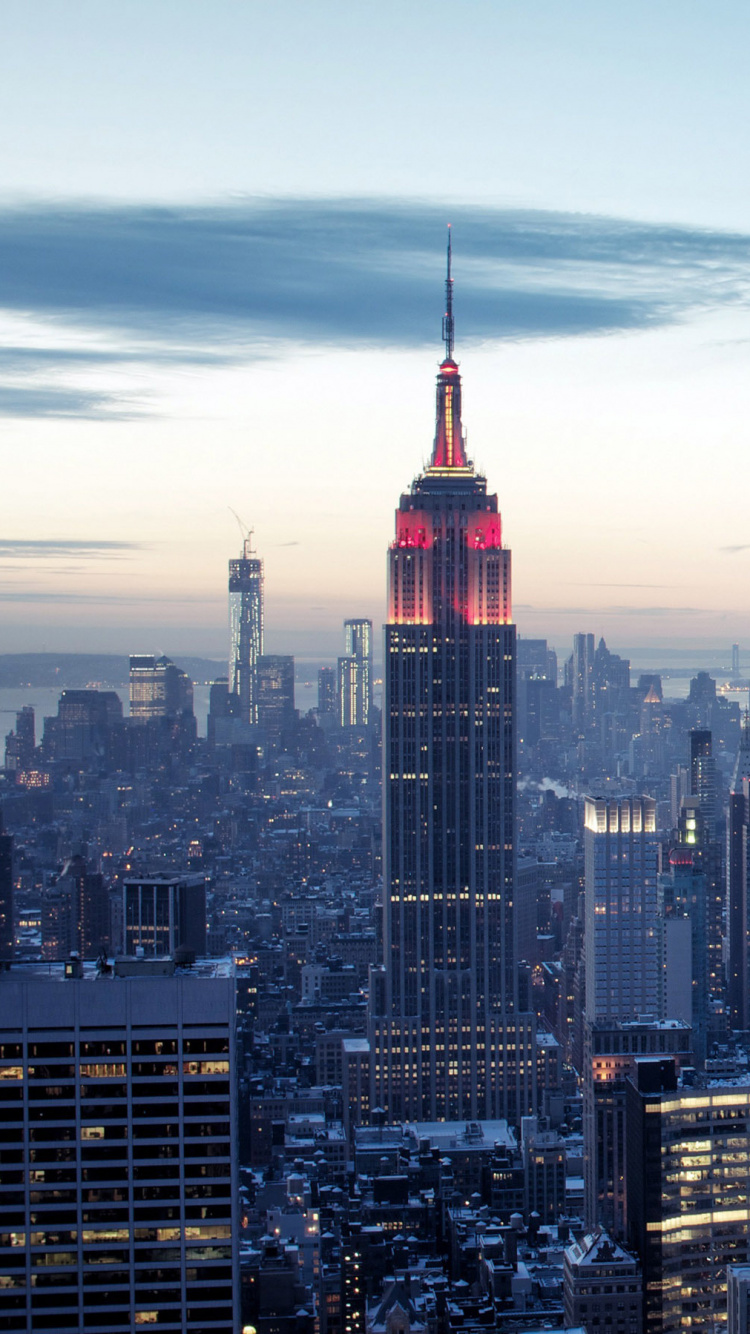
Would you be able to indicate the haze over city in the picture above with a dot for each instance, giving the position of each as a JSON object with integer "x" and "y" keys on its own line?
{"x": 222, "y": 237}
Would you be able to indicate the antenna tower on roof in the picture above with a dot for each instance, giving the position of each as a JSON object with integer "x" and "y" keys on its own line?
{"x": 448, "y": 332}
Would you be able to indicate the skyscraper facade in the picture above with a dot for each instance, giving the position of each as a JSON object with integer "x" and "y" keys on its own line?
{"x": 622, "y": 945}
{"x": 7, "y": 931}
{"x": 117, "y": 1099}
{"x": 738, "y": 885}
{"x": 439, "y": 1011}
{"x": 355, "y": 675}
{"x": 158, "y": 689}
{"x": 246, "y": 631}
{"x": 623, "y": 954}
{"x": 688, "y": 1158}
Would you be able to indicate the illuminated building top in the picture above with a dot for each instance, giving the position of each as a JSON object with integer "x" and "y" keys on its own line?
{"x": 448, "y": 558}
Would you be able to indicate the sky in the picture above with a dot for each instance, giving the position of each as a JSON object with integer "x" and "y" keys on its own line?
{"x": 222, "y": 248}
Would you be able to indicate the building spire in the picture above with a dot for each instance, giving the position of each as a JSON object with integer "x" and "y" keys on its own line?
{"x": 449, "y": 449}
{"x": 448, "y": 329}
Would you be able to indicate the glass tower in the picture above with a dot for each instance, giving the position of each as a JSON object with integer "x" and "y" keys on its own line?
{"x": 246, "y": 631}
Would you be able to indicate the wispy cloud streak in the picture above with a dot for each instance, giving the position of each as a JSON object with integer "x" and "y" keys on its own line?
{"x": 56, "y": 548}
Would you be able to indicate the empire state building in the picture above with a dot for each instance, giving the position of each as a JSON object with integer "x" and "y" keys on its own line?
{"x": 446, "y": 1040}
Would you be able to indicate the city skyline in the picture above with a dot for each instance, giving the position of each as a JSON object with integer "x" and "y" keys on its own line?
{"x": 229, "y": 298}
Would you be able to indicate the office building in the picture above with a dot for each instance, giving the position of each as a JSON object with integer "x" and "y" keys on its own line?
{"x": 158, "y": 689}
{"x": 82, "y": 730}
{"x": 703, "y": 774}
{"x": 355, "y": 675}
{"x": 219, "y": 711}
{"x": 623, "y": 955}
{"x": 245, "y": 631}
{"x": 118, "y": 1111}
{"x": 581, "y": 675}
{"x": 611, "y": 1051}
{"x": 443, "y": 1009}
{"x": 76, "y": 913}
{"x": 688, "y": 1210}
{"x": 327, "y": 693}
{"x": 537, "y": 711}
{"x": 7, "y": 921}
{"x": 603, "y": 1287}
{"x": 708, "y": 852}
{"x": 738, "y": 1296}
{"x": 738, "y": 885}
{"x": 685, "y": 923}
{"x": 276, "y": 714}
{"x": 20, "y": 745}
{"x": 163, "y": 915}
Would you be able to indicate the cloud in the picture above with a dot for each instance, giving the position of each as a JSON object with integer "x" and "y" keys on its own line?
{"x": 621, "y": 611}
{"x": 369, "y": 270}
{"x": 593, "y": 584}
{"x": 40, "y": 400}
{"x": 227, "y": 283}
{"x": 733, "y": 551}
{"x": 99, "y": 599}
{"x": 53, "y": 548}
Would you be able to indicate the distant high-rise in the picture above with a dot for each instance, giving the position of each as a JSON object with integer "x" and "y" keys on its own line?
{"x": 83, "y": 726}
{"x": 684, "y": 910}
{"x": 704, "y": 787}
{"x": 7, "y": 930}
{"x": 326, "y": 692}
{"x": 623, "y": 954}
{"x": 703, "y": 775}
{"x": 440, "y": 1008}
{"x": 20, "y": 745}
{"x": 276, "y": 697}
{"x": 158, "y": 689}
{"x": 355, "y": 675}
{"x": 246, "y": 630}
{"x": 582, "y": 680}
{"x": 738, "y": 886}
{"x": 76, "y": 913}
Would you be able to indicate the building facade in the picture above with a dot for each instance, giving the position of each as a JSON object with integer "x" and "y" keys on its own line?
{"x": 7, "y": 919}
{"x": 611, "y": 1052}
{"x": 118, "y": 1109}
{"x": 162, "y": 914}
{"x": 622, "y": 938}
{"x": 688, "y": 1161}
{"x": 738, "y": 886}
{"x": 603, "y": 1287}
{"x": 442, "y": 1014}
{"x": 276, "y": 714}
{"x": 158, "y": 689}
{"x": 355, "y": 675}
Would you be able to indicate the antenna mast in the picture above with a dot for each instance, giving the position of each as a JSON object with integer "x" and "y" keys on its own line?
{"x": 448, "y": 316}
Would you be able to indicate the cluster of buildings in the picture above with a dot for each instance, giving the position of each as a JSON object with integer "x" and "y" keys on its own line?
{"x": 293, "y": 1043}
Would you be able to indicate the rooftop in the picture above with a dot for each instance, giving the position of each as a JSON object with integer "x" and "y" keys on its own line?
{"x": 60, "y": 971}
